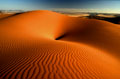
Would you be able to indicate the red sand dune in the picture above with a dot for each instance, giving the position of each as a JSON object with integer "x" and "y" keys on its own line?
{"x": 48, "y": 45}
{"x": 5, "y": 15}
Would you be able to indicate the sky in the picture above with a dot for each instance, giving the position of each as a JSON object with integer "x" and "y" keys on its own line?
{"x": 91, "y": 5}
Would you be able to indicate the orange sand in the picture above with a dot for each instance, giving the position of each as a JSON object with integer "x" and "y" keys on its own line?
{"x": 5, "y": 15}
{"x": 84, "y": 49}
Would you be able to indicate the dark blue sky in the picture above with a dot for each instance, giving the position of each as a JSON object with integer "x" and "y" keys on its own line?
{"x": 49, "y": 4}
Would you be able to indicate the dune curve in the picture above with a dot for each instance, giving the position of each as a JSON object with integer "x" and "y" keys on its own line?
{"x": 49, "y": 45}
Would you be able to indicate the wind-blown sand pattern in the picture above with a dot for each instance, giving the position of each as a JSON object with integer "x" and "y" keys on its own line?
{"x": 49, "y": 45}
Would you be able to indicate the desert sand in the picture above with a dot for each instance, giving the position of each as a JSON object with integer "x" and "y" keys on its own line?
{"x": 2, "y": 15}
{"x": 48, "y": 45}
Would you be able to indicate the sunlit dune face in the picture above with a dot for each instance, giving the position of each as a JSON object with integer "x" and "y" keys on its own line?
{"x": 48, "y": 24}
{"x": 49, "y": 45}
{"x": 45, "y": 23}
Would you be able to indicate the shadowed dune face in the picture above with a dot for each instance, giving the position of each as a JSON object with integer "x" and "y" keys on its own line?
{"x": 48, "y": 45}
{"x": 97, "y": 33}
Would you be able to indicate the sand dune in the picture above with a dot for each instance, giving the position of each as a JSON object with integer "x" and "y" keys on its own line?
{"x": 100, "y": 34}
{"x": 106, "y": 16}
{"x": 48, "y": 45}
{"x": 5, "y": 15}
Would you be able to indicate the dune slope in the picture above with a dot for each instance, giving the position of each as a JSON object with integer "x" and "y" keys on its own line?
{"x": 48, "y": 45}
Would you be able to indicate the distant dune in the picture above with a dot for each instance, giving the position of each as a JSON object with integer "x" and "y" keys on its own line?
{"x": 48, "y": 45}
{"x": 106, "y": 16}
{"x": 4, "y": 15}
{"x": 110, "y": 18}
